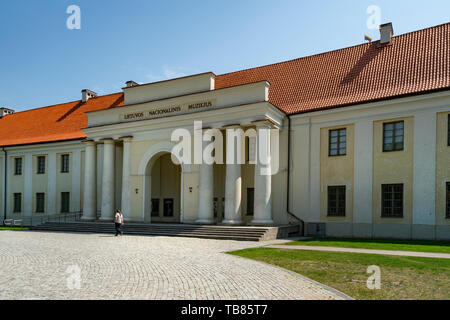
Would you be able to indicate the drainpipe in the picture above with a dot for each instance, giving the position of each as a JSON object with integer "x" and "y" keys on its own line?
{"x": 6, "y": 183}
{"x": 289, "y": 178}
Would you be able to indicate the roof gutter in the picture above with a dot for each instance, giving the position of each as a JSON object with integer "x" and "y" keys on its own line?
{"x": 288, "y": 193}
{"x": 6, "y": 184}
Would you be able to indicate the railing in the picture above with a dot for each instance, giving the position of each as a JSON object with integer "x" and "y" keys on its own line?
{"x": 29, "y": 221}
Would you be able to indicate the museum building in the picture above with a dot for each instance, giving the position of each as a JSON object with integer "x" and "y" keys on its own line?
{"x": 362, "y": 146}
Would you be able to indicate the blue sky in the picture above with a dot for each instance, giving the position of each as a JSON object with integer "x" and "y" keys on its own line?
{"x": 43, "y": 63}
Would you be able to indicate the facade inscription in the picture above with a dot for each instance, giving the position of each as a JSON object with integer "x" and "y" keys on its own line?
{"x": 159, "y": 112}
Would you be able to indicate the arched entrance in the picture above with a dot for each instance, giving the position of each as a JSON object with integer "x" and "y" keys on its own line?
{"x": 165, "y": 190}
{"x": 163, "y": 180}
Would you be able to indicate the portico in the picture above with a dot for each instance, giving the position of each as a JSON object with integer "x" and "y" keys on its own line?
{"x": 234, "y": 190}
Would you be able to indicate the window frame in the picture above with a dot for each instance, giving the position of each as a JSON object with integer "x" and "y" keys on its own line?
{"x": 338, "y": 143}
{"x": 166, "y": 203}
{"x": 63, "y": 209}
{"x": 39, "y": 158}
{"x": 342, "y": 189}
{"x": 392, "y": 201}
{"x": 447, "y": 213}
{"x": 15, "y": 210}
{"x": 448, "y": 130}
{"x": 16, "y": 171}
{"x": 394, "y": 130}
{"x": 65, "y": 167}
{"x": 250, "y": 208}
{"x": 38, "y": 209}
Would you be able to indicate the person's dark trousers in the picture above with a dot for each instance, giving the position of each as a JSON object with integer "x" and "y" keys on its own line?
{"x": 118, "y": 228}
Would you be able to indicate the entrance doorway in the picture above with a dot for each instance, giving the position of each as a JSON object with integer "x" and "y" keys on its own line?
{"x": 165, "y": 190}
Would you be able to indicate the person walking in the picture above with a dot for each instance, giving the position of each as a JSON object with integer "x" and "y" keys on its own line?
{"x": 118, "y": 221}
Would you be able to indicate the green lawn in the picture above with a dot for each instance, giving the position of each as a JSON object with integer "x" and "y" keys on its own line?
{"x": 401, "y": 277}
{"x": 403, "y": 245}
{"x": 13, "y": 228}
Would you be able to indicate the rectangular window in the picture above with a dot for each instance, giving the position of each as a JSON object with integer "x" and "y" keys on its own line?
{"x": 447, "y": 215}
{"x": 337, "y": 145}
{"x": 17, "y": 202}
{"x": 18, "y": 166}
{"x": 448, "y": 130}
{"x": 250, "y": 155}
{"x": 65, "y": 163}
{"x": 393, "y": 134}
{"x": 40, "y": 202}
{"x": 250, "y": 200}
{"x": 65, "y": 202}
{"x": 155, "y": 207}
{"x": 392, "y": 201}
{"x": 41, "y": 164}
{"x": 336, "y": 201}
{"x": 168, "y": 207}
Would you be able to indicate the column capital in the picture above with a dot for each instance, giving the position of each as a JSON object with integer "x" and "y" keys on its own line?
{"x": 89, "y": 142}
{"x": 232, "y": 126}
{"x": 107, "y": 140}
{"x": 126, "y": 138}
{"x": 263, "y": 123}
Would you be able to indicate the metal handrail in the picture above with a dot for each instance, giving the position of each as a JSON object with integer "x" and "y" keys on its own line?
{"x": 29, "y": 221}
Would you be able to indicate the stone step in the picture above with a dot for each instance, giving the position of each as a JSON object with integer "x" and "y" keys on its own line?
{"x": 192, "y": 231}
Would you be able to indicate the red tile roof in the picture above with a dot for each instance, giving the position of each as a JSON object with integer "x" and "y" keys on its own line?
{"x": 54, "y": 123}
{"x": 413, "y": 63}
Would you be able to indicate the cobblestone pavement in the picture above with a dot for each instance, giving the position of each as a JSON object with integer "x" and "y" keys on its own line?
{"x": 38, "y": 265}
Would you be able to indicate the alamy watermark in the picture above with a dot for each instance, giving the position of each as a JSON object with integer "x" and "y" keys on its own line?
{"x": 374, "y": 281}
{"x": 208, "y": 147}
{"x": 74, "y": 277}
{"x": 374, "y": 20}
{"x": 73, "y": 22}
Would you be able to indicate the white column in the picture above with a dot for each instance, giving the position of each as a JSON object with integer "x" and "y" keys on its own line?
{"x": 28, "y": 185}
{"x": 75, "y": 203}
{"x": 51, "y": 184}
{"x": 108, "y": 189}
{"x": 233, "y": 180}
{"x": 205, "y": 194}
{"x": 363, "y": 169}
{"x": 424, "y": 187}
{"x": 263, "y": 177}
{"x": 90, "y": 182}
{"x": 126, "y": 178}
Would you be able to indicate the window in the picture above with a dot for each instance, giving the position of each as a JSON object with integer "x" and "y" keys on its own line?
{"x": 336, "y": 201}
{"x": 337, "y": 145}
{"x": 41, "y": 164}
{"x": 65, "y": 163}
{"x": 250, "y": 200}
{"x": 40, "y": 199}
{"x": 168, "y": 207}
{"x": 65, "y": 202}
{"x": 393, "y": 136}
{"x": 17, "y": 202}
{"x": 392, "y": 201}
{"x": 447, "y": 215}
{"x": 448, "y": 130}
{"x": 155, "y": 207}
{"x": 250, "y": 155}
{"x": 18, "y": 166}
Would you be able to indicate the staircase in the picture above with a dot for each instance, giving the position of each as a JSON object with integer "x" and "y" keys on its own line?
{"x": 175, "y": 230}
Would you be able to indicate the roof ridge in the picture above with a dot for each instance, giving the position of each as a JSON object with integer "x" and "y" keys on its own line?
{"x": 63, "y": 103}
{"x": 331, "y": 51}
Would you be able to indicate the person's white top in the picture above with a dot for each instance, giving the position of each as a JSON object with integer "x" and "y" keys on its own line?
{"x": 118, "y": 218}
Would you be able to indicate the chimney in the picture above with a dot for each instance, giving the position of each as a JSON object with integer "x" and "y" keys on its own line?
{"x": 131, "y": 83}
{"x": 386, "y": 33}
{"x": 86, "y": 94}
{"x": 5, "y": 111}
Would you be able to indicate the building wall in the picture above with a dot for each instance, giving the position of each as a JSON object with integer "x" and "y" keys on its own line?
{"x": 422, "y": 167}
{"x": 337, "y": 171}
{"x": 442, "y": 174}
